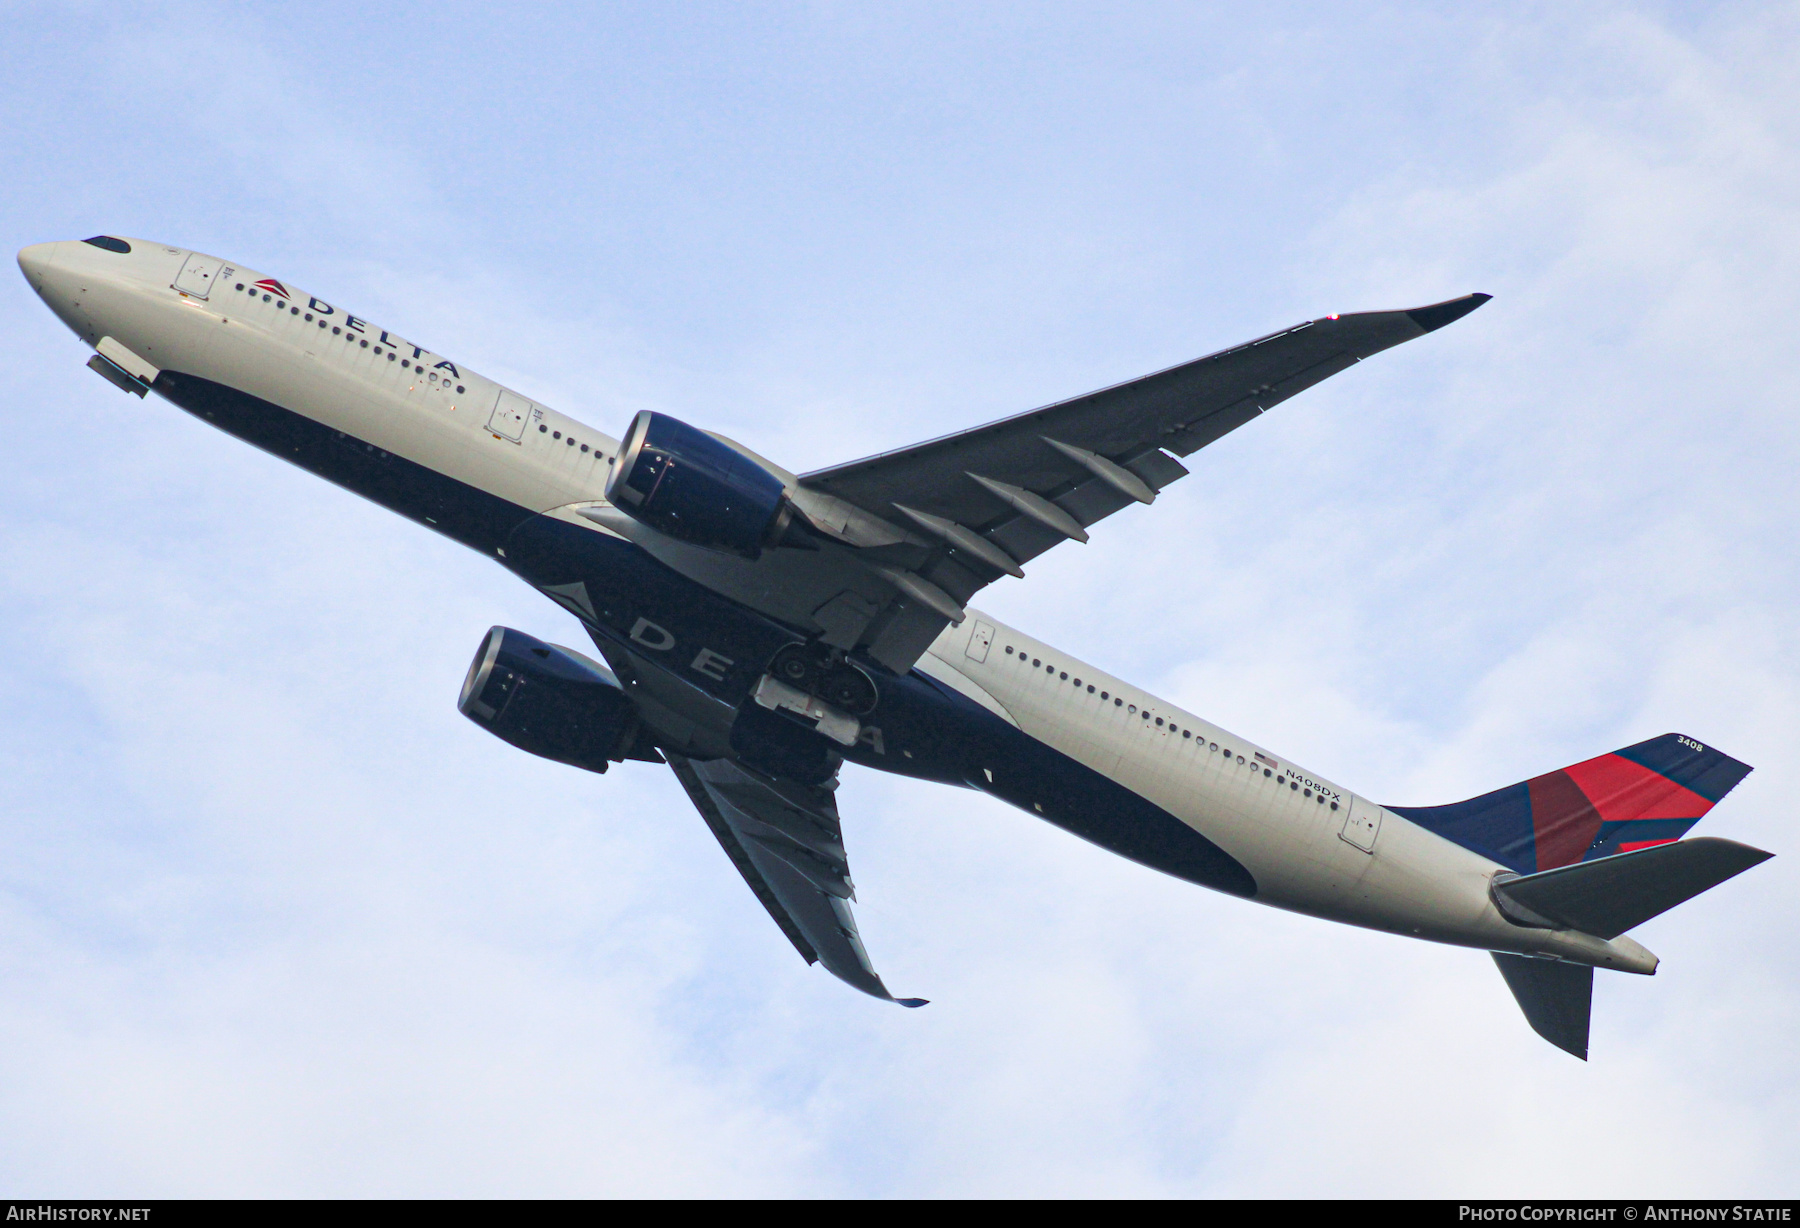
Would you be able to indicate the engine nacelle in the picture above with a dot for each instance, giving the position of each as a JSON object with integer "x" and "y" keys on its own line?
{"x": 683, "y": 482}
{"x": 551, "y": 702}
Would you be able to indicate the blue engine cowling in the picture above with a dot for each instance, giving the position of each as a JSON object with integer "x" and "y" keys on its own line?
{"x": 683, "y": 482}
{"x": 551, "y": 702}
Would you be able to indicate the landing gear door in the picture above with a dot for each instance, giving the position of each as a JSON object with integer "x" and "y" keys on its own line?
{"x": 198, "y": 275}
{"x": 1362, "y": 823}
{"x": 511, "y": 412}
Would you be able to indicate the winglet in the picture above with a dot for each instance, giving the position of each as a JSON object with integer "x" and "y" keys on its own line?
{"x": 914, "y": 1003}
{"x": 1437, "y": 315}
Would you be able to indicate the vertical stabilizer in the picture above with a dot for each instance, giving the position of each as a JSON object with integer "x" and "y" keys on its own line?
{"x": 1633, "y": 798}
{"x": 1556, "y": 998}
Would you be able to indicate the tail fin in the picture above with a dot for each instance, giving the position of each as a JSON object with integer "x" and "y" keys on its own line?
{"x": 1556, "y": 998}
{"x": 1634, "y": 798}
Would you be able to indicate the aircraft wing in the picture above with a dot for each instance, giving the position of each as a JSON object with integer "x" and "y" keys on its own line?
{"x": 985, "y": 500}
{"x": 785, "y": 839}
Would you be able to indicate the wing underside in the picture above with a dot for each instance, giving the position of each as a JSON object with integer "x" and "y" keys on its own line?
{"x": 787, "y": 842}
{"x": 973, "y": 506}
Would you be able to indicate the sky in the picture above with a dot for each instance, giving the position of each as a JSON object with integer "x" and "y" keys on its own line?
{"x": 275, "y": 920}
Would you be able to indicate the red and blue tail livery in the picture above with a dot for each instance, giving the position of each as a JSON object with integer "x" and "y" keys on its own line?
{"x": 1646, "y": 794}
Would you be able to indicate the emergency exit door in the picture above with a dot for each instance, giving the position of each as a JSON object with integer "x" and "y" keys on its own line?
{"x": 198, "y": 274}
{"x": 511, "y": 412}
{"x": 1362, "y": 823}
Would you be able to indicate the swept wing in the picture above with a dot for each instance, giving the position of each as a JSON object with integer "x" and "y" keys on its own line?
{"x": 977, "y": 504}
{"x": 785, "y": 839}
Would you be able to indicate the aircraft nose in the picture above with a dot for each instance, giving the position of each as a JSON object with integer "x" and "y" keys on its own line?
{"x": 35, "y": 262}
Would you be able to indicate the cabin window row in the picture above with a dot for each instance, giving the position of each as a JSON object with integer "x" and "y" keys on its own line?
{"x": 570, "y": 440}
{"x": 1118, "y": 702}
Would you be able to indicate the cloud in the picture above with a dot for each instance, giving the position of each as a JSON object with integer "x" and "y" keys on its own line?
{"x": 277, "y": 921}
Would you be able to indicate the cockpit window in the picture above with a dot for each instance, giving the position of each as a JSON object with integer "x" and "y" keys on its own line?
{"x": 108, "y": 243}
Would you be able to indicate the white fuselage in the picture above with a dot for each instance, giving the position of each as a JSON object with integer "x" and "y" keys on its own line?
{"x": 1311, "y": 845}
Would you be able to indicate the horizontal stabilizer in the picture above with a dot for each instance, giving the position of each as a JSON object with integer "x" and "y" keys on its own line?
{"x": 1607, "y": 897}
{"x": 1557, "y": 998}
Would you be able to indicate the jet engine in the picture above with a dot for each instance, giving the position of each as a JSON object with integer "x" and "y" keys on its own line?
{"x": 698, "y": 489}
{"x": 552, "y": 702}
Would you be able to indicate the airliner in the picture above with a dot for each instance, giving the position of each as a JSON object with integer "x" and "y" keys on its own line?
{"x": 757, "y": 629}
